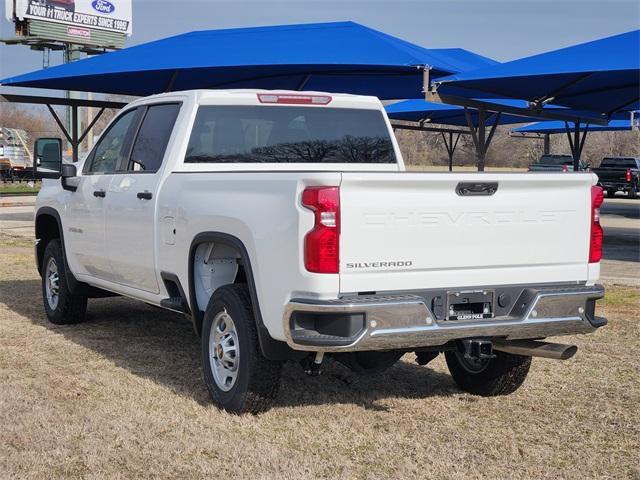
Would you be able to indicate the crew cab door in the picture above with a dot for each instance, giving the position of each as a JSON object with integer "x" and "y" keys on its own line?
{"x": 131, "y": 204}
{"x": 84, "y": 235}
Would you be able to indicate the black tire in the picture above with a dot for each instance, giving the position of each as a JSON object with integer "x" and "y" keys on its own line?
{"x": 257, "y": 379}
{"x": 501, "y": 375}
{"x": 69, "y": 308}
{"x": 611, "y": 193}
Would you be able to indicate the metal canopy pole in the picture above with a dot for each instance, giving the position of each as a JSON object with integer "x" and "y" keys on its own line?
{"x": 450, "y": 146}
{"x": 576, "y": 143}
{"x": 74, "y": 133}
{"x": 547, "y": 144}
{"x": 480, "y": 139}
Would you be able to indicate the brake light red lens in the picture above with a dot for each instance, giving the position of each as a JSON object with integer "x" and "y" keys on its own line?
{"x": 628, "y": 175}
{"x": 294, "y": 99}
{"x": 565, "y": 168}
{"x": 595, "y": 246}
{"x": 322, "y": 243}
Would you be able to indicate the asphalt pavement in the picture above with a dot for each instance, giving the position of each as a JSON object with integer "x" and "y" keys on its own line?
{"x": 620, "y": 218}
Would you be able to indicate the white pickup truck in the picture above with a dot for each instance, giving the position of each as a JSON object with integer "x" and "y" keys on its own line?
{"x": 285, "y": 225}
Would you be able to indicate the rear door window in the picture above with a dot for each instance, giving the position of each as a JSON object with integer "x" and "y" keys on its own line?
{"x": 111, "y": 148}
{"x": 619, "y": 162}
{"x": 152, "y": 138}
{"x": 277, "y": 134}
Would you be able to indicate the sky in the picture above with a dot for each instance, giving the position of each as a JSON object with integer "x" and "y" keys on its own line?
{"x": 500, "y": 29}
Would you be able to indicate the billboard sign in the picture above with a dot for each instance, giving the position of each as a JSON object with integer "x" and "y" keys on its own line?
{"x": 79, "y": 16}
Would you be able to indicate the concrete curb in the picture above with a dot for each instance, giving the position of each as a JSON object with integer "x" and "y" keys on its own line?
{"x": 17, "y": 200}
{"x": 17, "y": 204}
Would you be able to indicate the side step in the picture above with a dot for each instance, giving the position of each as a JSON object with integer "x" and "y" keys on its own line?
{"x": 175, "y": 303}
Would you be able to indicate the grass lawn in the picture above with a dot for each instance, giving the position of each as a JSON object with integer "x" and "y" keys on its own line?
{"x": 121, "y": 396}
{"x": 15, "y": 188}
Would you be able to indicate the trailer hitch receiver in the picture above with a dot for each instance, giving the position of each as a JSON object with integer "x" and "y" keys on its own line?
{"x": 478, "y": 349}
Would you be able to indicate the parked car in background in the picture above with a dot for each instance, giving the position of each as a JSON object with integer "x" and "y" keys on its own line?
{"x": 284, "y": 225}
{"x": 619, "y": 174}
{"x": 556, "y": 163}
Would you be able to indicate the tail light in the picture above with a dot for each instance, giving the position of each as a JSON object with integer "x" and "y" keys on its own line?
{"x": 628, "y": 175}
{"x": 322, "y": 243}
{"x": 595, "y": 246}
{"x": 565, "y": 168}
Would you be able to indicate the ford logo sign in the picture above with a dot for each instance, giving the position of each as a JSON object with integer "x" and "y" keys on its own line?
{"x": 103, "y": 6}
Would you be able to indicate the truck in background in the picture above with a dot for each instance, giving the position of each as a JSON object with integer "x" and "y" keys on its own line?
{"x": 619, "y": 174}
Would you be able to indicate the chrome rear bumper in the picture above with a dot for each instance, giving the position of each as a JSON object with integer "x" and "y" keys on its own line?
{"x": 404, "y": 321}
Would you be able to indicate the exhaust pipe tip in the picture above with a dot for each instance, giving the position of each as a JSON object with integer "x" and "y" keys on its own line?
{"x": 568, "y": 352}
{"x": 535, "y": 348}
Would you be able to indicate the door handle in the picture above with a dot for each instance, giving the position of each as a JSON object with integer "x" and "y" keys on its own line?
{"x": 100, "y": 193}
{"x": 145, "y": 195}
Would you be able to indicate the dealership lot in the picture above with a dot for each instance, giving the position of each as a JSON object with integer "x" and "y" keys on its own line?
{"x": 120, "y": 396}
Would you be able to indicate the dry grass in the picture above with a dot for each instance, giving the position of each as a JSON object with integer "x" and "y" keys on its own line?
{"x": 121, "y": 397}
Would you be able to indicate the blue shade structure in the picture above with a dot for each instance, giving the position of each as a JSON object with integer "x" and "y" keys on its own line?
{"x": 342, "y": 57}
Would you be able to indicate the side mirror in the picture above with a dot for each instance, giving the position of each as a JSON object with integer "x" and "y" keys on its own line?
{"x": 69, "y": 175}
{"x": 68, "y": 171}
{"x": 47, "y": 158}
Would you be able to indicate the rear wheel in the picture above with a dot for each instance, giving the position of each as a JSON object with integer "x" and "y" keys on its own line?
{"x": 238, "y": 377}
{"x": 62, "y": 306}
{"x": 501, "y": 375}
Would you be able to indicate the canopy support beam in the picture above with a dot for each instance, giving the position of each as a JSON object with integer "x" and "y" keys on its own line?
{"x": 417, "y": 128}
{"x": 576, "y": 142}
{"x": 481, "y": 140}
{"x": 547, "y": 144}
{"x": 450, "y": 146}
{"x": 543, "y": 114}
{"x": 74, "y": 137}
{"x": 304, "y": 82}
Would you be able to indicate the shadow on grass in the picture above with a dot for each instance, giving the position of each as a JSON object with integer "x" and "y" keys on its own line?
{"x": 162, "y": 346}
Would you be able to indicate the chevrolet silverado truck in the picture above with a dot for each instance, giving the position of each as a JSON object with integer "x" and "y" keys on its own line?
{"x": 284, "y": 225}
{"x": 619, "y": 174}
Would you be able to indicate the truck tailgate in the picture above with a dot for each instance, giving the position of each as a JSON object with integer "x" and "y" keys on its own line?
{"x": 404, "y": 231}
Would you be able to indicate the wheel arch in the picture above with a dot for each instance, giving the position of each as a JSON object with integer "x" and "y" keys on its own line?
{"x": 271, "y": 349}
{"x": 48, "y": 226}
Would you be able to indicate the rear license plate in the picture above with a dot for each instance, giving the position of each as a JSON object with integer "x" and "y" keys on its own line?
{"x": 470, "y": 305}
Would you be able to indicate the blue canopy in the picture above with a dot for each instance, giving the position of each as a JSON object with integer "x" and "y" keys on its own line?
{"x": 559, "y": 127}
{"x": 337, "y": 57}
{"x": 602, "y": 76}
{"x": 444, "y": 114}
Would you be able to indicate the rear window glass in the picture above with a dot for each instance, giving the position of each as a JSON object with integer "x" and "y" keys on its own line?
{"x": 619, "y": 162}
{"x": 556, "y": 160}
{"x": 276, "y": 134}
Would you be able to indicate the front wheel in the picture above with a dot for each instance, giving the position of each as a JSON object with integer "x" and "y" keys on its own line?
{"x": 238, "y": 377}
{"x": 61, "y": 305}
{"x": 501, "y": 375}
